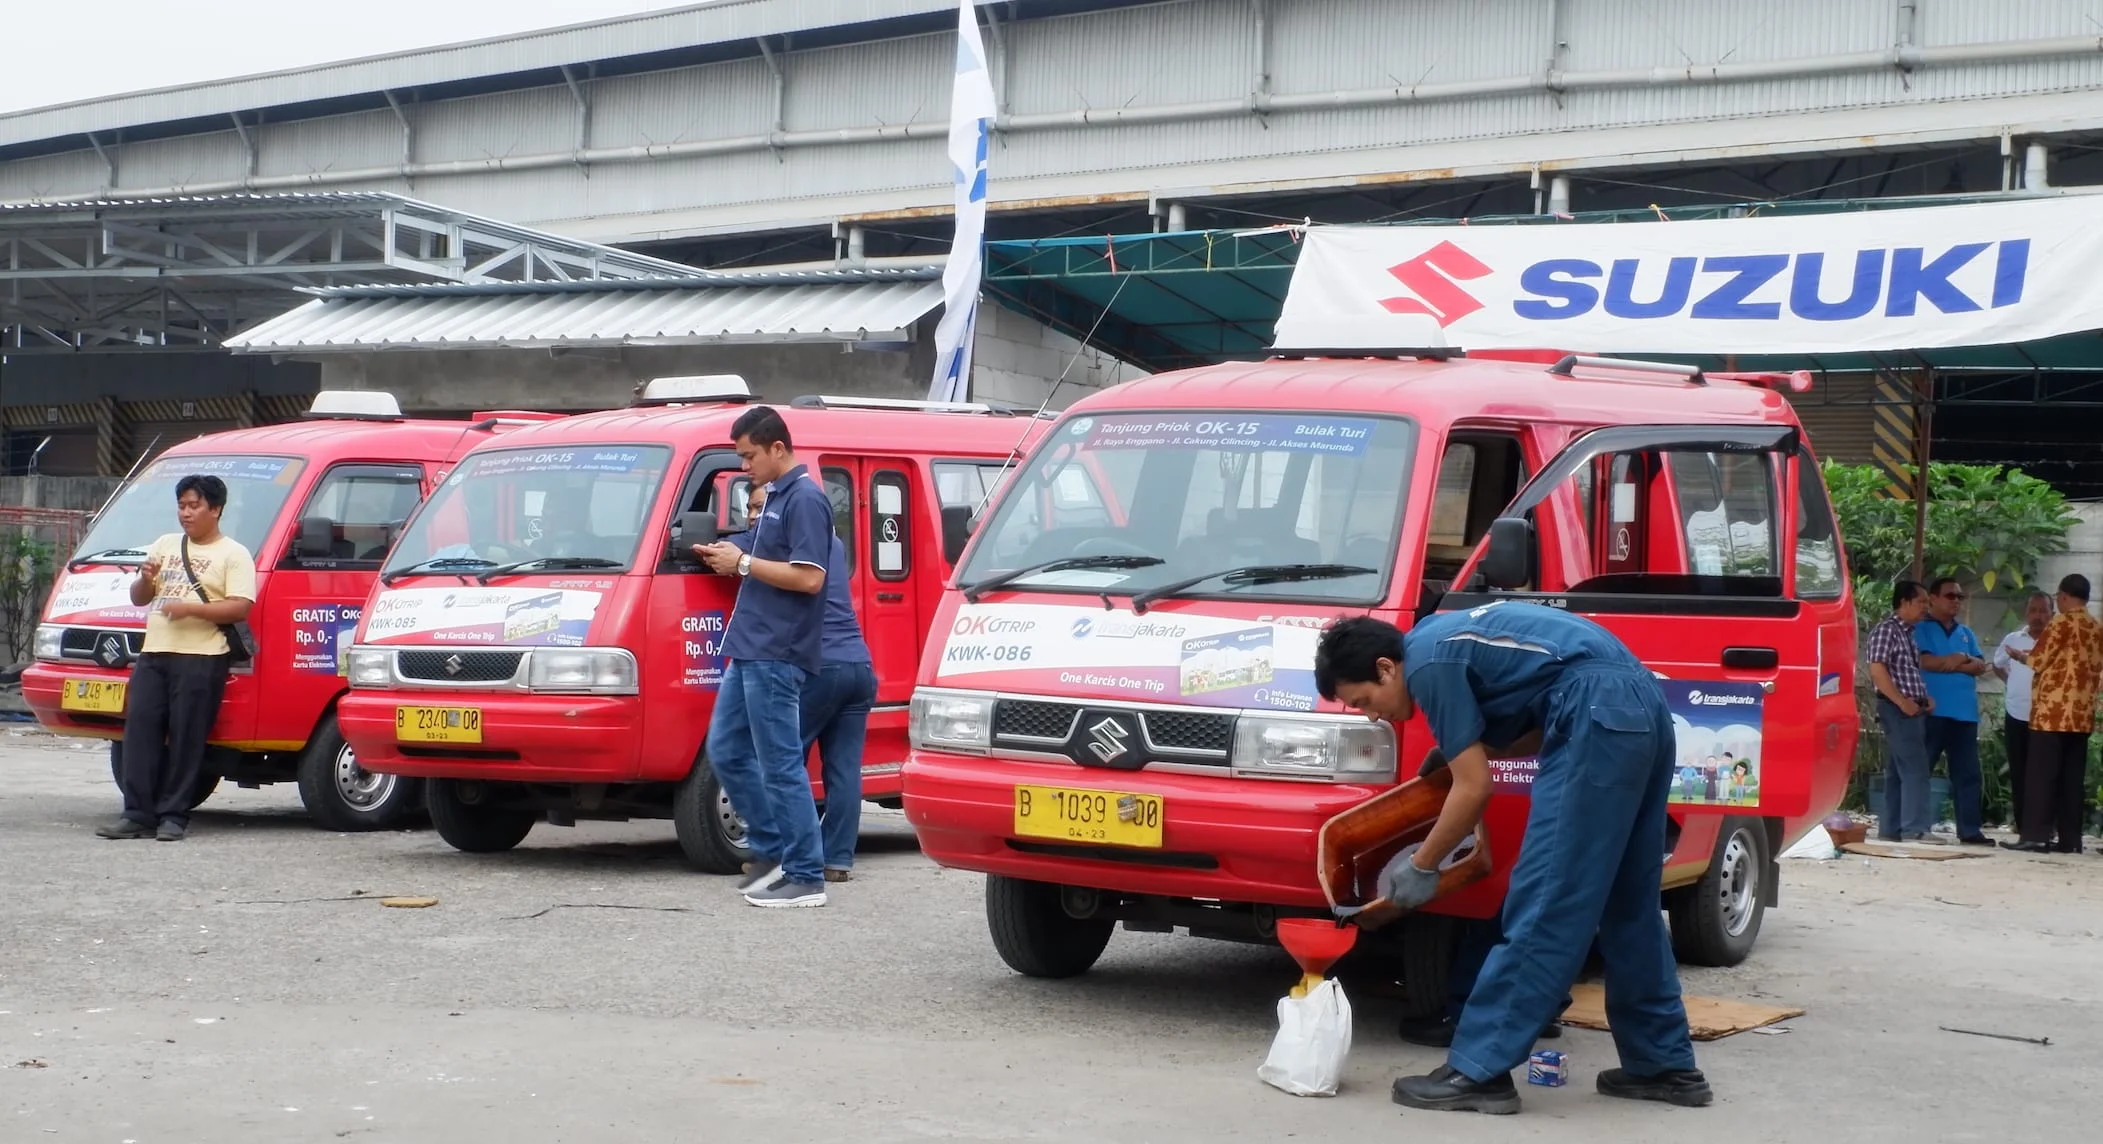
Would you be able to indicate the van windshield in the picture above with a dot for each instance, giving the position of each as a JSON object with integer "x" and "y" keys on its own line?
{"x": 1185, "y": 494}
{"x": 144, "y": 510}
{"x": 561, "y": 509}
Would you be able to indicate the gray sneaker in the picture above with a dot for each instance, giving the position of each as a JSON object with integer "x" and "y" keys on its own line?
{"x": 758, "y": 872}
{"x": 171, "y": 832}
{"x": 786, "y": 893}
{"x": 124, "y": 828}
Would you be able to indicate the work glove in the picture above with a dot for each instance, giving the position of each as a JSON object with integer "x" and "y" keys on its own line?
{"x": 1402, "y": 883}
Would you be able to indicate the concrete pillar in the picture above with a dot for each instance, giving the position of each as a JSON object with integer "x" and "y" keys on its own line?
{"x": 1559, "y": 195}
{"x": 2036, "y": 167}
{"x": 1177, "y": 221}
{"x": 857, "y": 240}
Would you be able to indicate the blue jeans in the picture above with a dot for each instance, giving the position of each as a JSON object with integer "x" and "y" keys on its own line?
{"x": 1477, "y": 938}
{"x": 1593, "y": 855}
{"x": 758, "y": 757}
{"x": 835, "y": 716}
{"x": 1905, "y": 811}
{"x": 1958, "y": 741}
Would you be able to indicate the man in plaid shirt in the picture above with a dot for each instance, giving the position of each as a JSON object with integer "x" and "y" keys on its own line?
{"x": 1902, "y": 710}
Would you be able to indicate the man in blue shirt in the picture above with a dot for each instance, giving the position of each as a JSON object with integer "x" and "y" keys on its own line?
{"x": 1951, "y": 662}
{"x": 774, "y": 645}
{"x": 1522, "y": 679}
{"x": 835, "y": 712}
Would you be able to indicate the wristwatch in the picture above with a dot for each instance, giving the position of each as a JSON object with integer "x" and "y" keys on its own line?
{"x": 745, "y": 564}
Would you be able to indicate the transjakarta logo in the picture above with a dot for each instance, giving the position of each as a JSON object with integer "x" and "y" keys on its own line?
{"x": 1123, "y": 628}
{"x": 1720, "y": 288}
{"x": 1698, "y": 698}
{"x": 990, "y": 626}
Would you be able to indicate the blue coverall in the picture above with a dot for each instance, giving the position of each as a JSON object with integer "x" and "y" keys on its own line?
{"x": 1595, "y": 838}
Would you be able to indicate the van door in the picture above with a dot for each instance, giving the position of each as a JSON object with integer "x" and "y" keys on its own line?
{"x": 880, "y": 511}
{"x": 681, "y": 644}
{"x": 1680, "y": 540}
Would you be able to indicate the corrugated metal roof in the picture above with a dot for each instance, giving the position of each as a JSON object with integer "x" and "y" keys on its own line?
{"x": 455, "y": 319}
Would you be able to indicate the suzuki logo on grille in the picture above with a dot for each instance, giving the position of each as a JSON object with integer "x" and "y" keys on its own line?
{"x": 453, "y": 664}
{"x": 1431, "y": 276}
{"x": 110, "y": 651}
{"x": 1107, "y": 740}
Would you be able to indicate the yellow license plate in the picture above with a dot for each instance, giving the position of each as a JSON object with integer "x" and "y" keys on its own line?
{"x": 97, "y": 696}
{"x": 438, "y": 724}
{"x": 1102, "y": 816}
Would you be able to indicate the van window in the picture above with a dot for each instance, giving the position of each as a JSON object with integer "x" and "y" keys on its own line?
{"x": 1208, "y": 494}
{"x": 365, "y": 504}
{"x": 960, "y": 484}
{"x": 890, "y": 526}
{"x": 507, "y": 505}
{"x": 1727, "y": 511}
{"x": 1818, "y": 575}
{"x": 144, "y": 510}
{"x": 839, "y": 489}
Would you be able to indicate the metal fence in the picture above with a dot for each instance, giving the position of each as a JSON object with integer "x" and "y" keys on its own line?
{"x": 34, "y": 542}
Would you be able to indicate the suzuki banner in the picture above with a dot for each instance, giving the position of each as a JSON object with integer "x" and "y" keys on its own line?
{"x": 1917, "y": 278}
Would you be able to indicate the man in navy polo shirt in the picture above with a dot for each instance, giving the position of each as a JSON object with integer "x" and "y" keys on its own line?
{"x": 774, "y": 645}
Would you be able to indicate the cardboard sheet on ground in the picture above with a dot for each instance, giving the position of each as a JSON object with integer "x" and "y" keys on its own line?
{"x": 1900, "y": 850}
{"x": 1708, "y": 1018}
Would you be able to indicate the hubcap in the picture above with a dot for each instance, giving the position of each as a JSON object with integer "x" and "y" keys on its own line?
{"x": 729, "y": 820}
{"x": 1740, "y": 883}
{"x": 360, "y": 789}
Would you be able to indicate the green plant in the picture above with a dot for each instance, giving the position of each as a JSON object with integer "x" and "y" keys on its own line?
{"x": 1987, "y": 524}
{"x": 27, "y": 566}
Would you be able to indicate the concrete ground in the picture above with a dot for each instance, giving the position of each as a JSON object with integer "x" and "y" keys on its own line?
{"x": 588, "y": 987}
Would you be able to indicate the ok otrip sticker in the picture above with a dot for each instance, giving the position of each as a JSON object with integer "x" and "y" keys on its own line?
{"x": 520, "y": 616}
{"x": 1211, "y": 660}
{"x": 1716, "y": 731}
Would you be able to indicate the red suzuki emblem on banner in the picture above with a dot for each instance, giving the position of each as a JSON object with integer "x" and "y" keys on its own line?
{"x": 1431, "y": 276}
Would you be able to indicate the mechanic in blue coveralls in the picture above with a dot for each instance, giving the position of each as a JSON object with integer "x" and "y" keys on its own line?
{"x": 1595, "y": 838}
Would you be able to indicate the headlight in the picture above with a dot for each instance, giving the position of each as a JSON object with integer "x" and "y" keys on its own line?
{"x": 369, "y": 667}
{"x": 1332, "y": 749}
{"x": 952, "y": 720}
{"x": 50, "y": 641}
{"x": 604, "y": 670}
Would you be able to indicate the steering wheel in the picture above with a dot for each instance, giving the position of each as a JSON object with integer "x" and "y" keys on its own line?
{"x": 1108, "y": 546}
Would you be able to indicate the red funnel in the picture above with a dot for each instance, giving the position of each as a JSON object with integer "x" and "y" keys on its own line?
{"x": 1315, "y": 943}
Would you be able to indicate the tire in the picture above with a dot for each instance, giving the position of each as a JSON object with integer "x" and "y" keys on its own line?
{"x": 1716, "y": 920}
{"x": 711, "y": 834}
{"x": 467, "y": 818}
{"x": 1429, "y": 945}
{"x": 341, "y": 795}
{"x": 1035, "y": 935}
{"x": 207, "y": 783}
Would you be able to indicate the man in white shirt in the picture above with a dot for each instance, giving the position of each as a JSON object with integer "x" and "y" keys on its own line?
{"x": 2011, "y": 661}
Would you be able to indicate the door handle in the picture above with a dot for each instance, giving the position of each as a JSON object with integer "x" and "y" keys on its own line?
{"x": 890, "y": 597}
{"x": 1752, "y": 658}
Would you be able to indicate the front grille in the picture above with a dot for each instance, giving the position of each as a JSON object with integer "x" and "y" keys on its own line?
{"x": 446, "y": 666}
{"x": 1023, "y": 719}
{"x": 1190, "y": 731}
{"x": 81, "y": 642}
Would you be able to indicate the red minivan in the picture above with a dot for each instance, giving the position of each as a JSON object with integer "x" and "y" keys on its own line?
{"x": 1122, "y": 723}
{"x": 543, "y": 646}
{"x": 316, "y": 502}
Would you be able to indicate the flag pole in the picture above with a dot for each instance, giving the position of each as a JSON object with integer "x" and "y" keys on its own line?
{"x": 972, "y": 109}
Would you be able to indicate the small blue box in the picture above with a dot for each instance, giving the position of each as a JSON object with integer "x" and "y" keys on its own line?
{"x": 1545, "y": 1068}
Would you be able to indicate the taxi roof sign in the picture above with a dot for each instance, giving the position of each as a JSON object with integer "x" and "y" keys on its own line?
{"x": 728, "y": 387}
{"x": 355, "y": 405}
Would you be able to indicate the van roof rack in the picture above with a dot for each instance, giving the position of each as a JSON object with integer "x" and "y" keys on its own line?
{"x": 836, "y": 401}
{"x": 728, "y": 388}
{"x": 354, "y": 405}
{"x": 1571, "y": 363}
{"x": 491, "y": 418}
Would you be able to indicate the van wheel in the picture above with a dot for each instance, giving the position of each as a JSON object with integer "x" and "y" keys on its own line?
{"x": 1429, "y": 944}
{"x": 1716, "y": 920}
{"x": 711, "y": 833}
{"x": 341, "y": 795}
{"x": 1035, "y": 935}
{"x": 468, "y": 817}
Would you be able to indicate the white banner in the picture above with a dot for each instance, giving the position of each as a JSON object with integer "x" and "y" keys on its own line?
{"x": 972, "y": 108}
{"x": 1917, "y": 278}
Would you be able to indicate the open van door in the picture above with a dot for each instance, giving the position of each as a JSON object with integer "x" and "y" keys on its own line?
{"x": 1680, "y": 540}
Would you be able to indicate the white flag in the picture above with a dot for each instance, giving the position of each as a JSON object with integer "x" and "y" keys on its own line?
{"x": 971, "y": 111}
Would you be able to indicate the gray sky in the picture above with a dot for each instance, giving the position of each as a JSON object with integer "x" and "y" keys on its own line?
{"x": 61, "y": 52}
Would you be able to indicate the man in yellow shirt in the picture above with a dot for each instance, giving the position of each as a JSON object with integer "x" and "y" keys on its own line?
{"x": 198, "y": 582}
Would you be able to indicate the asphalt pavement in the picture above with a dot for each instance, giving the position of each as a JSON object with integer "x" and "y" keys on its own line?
{"x": 247, "y": 986}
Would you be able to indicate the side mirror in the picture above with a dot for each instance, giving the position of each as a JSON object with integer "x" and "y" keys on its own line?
{"x": 317, "y": 538}
{"x": 689, "y": 529}
{"x": 957, "y": 527}
{"x": 1508, "y": 559}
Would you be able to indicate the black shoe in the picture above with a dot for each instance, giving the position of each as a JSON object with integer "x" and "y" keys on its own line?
{"x": 2074, "y": 849}
{"x": 1448, "y": 1090}
{"x": 1684, "y": 1087}
{"x": 124, "y": 828}
{"x": 171, "y": 832}
{"x": 2027, "y": 847}
{"x": 1977, "y": 840}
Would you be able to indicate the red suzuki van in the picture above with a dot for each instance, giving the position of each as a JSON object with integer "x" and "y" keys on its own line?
{"x": 317, "y": 503}
{"x": 543, "y": 646}
{"x": 1121, "y": 723}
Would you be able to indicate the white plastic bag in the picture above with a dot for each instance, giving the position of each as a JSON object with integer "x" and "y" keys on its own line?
{"x": 1314, "y": 1037}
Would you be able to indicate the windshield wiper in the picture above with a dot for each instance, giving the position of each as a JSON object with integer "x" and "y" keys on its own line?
{"x": 972, "y": 592}
{"x": 1253, "y": 574}
{"x": 437, "y": 564}
{"x": 103, "y": 557}
{"x": 539, "y": 563}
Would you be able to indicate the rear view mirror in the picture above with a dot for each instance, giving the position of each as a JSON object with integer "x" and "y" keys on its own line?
{"x": 689, "y": 529}
{"x": 317, "y": 538}
{"x": 1507, "y": 561}
{"x": 957, "y": 527}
